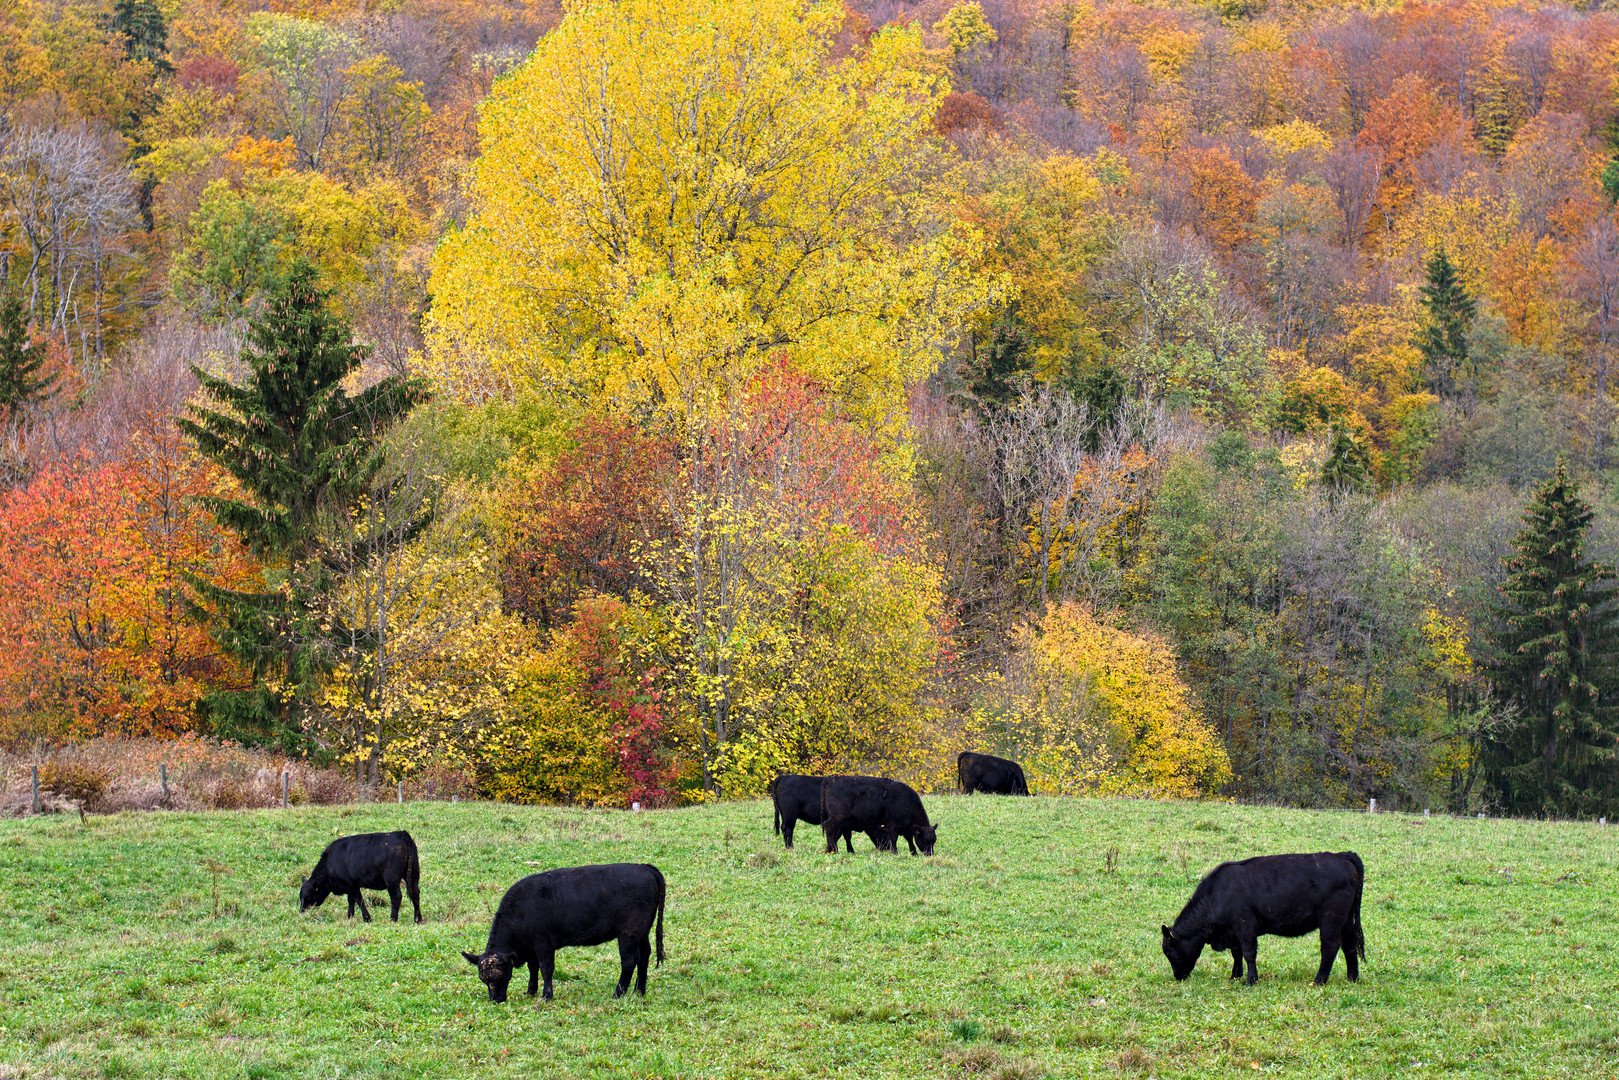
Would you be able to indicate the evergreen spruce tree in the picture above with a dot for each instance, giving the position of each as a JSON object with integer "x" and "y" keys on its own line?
{"x": 145, "y": 32}
{"x": 1442, "y": 338}
{"x": 1103, "y": 391}
{"x": 1348, "y": 466}
{"x": 996, "y": 371}
{"x": 302, "y": 449}
{"x": 1554, "y": 663}
{"x": 20, "y": 358}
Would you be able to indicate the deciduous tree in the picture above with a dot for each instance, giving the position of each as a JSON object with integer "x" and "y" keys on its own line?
{"x": 668, "y": 196}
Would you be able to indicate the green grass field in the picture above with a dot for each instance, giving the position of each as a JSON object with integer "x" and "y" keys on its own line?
{"x": 1016, "y": 952}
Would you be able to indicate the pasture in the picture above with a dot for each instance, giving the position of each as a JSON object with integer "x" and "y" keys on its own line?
{"x": 169, "y": 944}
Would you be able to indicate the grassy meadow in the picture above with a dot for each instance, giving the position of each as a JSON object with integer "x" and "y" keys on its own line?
{"x": 169, "y": 944}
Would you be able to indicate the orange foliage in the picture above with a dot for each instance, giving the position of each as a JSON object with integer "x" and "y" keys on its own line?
{"x": 1223, "y": 198}
{"x": 95, "y": 634}
{"x": 1402, "y": 126}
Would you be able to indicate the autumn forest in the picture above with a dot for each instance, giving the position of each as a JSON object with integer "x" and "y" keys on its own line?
{"x": 631, "y": 401}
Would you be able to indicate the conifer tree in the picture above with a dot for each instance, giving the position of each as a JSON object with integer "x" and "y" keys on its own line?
{"x": 1553, "y": 662}
{"x": 145, "y": 32}
{"x": 1442, "y": 338}
{"x": 996, "y": 373}
{"x": 20, "y": 358}
{"x": 302, "y": 450}
{"x": 1348, "y": 466}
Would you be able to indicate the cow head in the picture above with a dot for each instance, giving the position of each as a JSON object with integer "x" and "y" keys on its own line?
{"x": 495, "y": 969}
{"x": 311, "y": 895}
{"x": 1181, "y": 952}
{"x": 925, "y": 837}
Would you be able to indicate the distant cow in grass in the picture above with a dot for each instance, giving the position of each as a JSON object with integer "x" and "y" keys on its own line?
{"x": 798, "y": 798}
{"x": 573, "y": 906}
{"x": 989, "y": 774}
{"x": 871, "y": 803}
{"x": 1288, "y": 895}
{"x": 366, "y": 861}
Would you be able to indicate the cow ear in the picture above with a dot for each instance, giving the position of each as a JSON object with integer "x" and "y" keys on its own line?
{"x": 1167, "y": 931}
{"x": 509, "y": 957}
{"x": 471, "y": 958}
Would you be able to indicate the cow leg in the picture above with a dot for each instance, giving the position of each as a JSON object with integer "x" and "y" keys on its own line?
{"x": 1351, "y": 961}
{"x": 1236, "y": 962}
{"x": 365, "y": 912}
{"x": 848, "y": 840}
{"x": 833, "y": 829}
{"x": 351, "y": 905}
{"x": 1250, "y": 953}
{"x": 548, "y": 963}
{"x": 394, "y": 898}
{"x": 787, "y": 824}
{"x": 1331, "y": 941}
{"x": 628, "y": 954}
{"x": 910, "y": 840}
{"x": 414, "y": 891}
{"x": 643, "y": 946}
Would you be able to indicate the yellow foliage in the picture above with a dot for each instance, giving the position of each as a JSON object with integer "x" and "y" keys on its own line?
{"x": 1296, "y": 137}
{"x": 671, "y": 194}
{"x": 965, "y": 28}
{"x": 1047, "y": 224}
{"x": 1269, "y": 37}
{"x": 1471, "y": 224}
{"x": 559, "y": 746}
{"x": 1103, "y": 711}
{"x": 1167, "y": 51}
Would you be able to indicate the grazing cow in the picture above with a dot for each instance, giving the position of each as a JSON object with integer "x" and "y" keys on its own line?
{"x": 871, "y": 803}
{"x": 798, "y": 798}
{"x": 991, "y": 775}
{"x": 1288, "y": 895}
{"x": 577, "y": 905}
{"x": 379, "y": 860}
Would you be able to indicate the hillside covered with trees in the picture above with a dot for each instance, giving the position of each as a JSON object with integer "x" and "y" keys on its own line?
{"x": 633, "y": 401}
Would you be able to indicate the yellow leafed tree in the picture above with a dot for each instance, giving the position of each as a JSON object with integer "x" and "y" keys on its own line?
{"x": 1101, "y": 710}
{"x": 671, "y": 193}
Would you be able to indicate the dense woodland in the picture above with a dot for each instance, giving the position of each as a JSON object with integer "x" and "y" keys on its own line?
{"x": 635, "y": 401}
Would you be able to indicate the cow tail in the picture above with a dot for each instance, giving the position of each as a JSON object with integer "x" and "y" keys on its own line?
{"x": 961, "y": 774}
{"x": 661, "y": 891}
{"x": 413, "y": 869}
{"x": 1022, "y": 783}
{"x": 777, "y": 807}
{"x": 1360, "y": 884}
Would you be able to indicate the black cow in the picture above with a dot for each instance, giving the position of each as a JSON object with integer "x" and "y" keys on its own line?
{"x": 798, "y": 798}
{"x": 991, "y": 775}
{"x": 871, "y": 803}
{"x": 577, "y": 905}
{"x": 1288, "y": 895}
{"x": 378, "y": 860}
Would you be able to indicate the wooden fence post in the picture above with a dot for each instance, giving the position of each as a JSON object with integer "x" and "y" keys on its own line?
{"x": 284, "y": 781}
{"x": 401, "y": 792}
{"x": 36, "y": 789}
{"x": 163, "y": 777}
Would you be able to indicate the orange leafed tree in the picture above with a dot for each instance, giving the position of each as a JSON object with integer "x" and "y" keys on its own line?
{"x": 1402, "y": 126}
{"x": 95, "y": 635}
